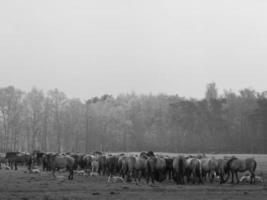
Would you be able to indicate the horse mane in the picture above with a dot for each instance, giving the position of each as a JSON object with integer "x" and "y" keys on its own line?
{"x": 150, "y": 153}
{"x": 143, "y": 155}
{"x": 189, "y": 156}
{"x": 230, "y": 161}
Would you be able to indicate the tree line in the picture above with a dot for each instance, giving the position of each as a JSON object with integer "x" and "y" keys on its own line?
{"x": 226, "y": 123}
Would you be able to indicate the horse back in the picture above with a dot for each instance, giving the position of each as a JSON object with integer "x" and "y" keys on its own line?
{"x": 130, "y": 162}
{"x": 140, "y": 163}
{"x": 63, "y": 162}
{"x": 179, "y": 164}
{"x": 213, "y": 164}
{"x": 251, "y": 164}
{"x": 160, "y": 163}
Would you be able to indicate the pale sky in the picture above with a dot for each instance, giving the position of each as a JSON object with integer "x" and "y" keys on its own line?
{"x": 89, "y": 48}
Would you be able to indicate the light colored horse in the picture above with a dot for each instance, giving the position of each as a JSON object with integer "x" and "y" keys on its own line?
{"x": 139, "y": 167}
{"x": 156, "y": 169}
{"x": 94, "y": 164}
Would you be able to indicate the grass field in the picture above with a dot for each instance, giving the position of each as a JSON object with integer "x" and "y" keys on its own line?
{"x": 24, "y": 186}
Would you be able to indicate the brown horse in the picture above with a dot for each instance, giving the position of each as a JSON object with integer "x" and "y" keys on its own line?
{"x": 127, "y": 167}
{"x": 209, "y": 167}
{"x": 169, "y": 167}
{"x": 193, "y": 168}
{"x": 61, "y": 162}
{"x": 179, "y": 169}
{"x": 235, "y": 165}
{"x": 122, "y": 163}
{"x": 87, "y": 160}
{"x": 112, "y": 164}
{"x": 156, "y": 169}
{"x": 130, "y": 167}
{"x": 221, "y": 171}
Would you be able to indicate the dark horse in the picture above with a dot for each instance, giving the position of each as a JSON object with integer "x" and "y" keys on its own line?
{"x": 61, "y": 162}
{"x": 15, "y": 158}
{"x": 179, "y": 169}
{"x": 38, "y": 156}
{"x": 156, "y": 168}
{"x": 235, "y": 165}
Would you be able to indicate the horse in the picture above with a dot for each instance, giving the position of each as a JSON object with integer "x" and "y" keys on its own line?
{"x": 235, "y": 165}
{"x": 213, "y": 167}
{"x": 112, "y": 164}
{"x": 77, "y": 158}
{"x": 140, "y": 167}
{"x": 221, "y": 171}
{"x": 102, "y": 164}
{"x": 209, "y": 167}
{"x": 156, "y": 168}
{"x": 61, "y": 162}
{"x": 2, "y": 159}
{"x": 169, "y": 167}
{"x": 193, "y": 168}
{"x": 87, "y": 160}
{"x": 37, "y": 156}
{"x": 15, "y": 158}
{"x": 47, "y": 159}
{"x": 122, "y": 164}
{"x": 94, "y": 164}
{"x": 179, "y": 169}
{"x": 130, "y": 161}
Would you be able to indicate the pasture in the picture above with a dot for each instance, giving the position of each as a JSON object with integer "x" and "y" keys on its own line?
{"x": 25, "y": 186}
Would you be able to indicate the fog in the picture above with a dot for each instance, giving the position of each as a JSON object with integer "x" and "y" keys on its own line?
{"x": 89, "y": 48}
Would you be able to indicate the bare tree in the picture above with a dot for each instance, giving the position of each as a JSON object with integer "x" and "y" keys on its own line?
{"x": 58, "y": 100}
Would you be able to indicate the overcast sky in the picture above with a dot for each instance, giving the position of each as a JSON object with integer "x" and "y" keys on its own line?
{"x": 89, "y": 48}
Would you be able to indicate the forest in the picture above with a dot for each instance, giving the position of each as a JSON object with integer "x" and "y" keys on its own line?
{"x": 50, "y": 121}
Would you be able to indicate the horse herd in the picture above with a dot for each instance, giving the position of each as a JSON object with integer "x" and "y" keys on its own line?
{"x": 145, "y": 165}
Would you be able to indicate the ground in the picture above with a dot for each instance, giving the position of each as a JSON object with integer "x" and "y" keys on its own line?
{"x": 25, "y": 186}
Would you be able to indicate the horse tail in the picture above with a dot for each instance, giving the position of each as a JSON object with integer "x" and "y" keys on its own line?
{"x": 200, "y": 168}
{"x": 148, "y": 168}
{"x": 255, "y": 166}
{"x": 181, "y": 166}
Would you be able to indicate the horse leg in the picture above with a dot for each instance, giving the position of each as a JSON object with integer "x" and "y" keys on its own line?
{"x": 194, "y": 178}
{"x": 139, "y": 175}
{"x": 236, "y": 175}
{"x": 221, "y": 178}
{"x": 232, "y": 173}
{"x": 182, "y": 177}
{"x": 147, "y": 178}
{"x": 53, "y": 173}
{"x": 69, "y": 177}
{"x": 152, "y": 177}
{"x": 71, "y": 174}
{"x": 252, "y": 177}
{"x": 135, "y": 175}
{"x": 200, "y": 178}
{"x": 211, "y": 176}
{"x": 204, "y": 174}
{"x": 188, "y": 175}
{"x": 177, "y": 177}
